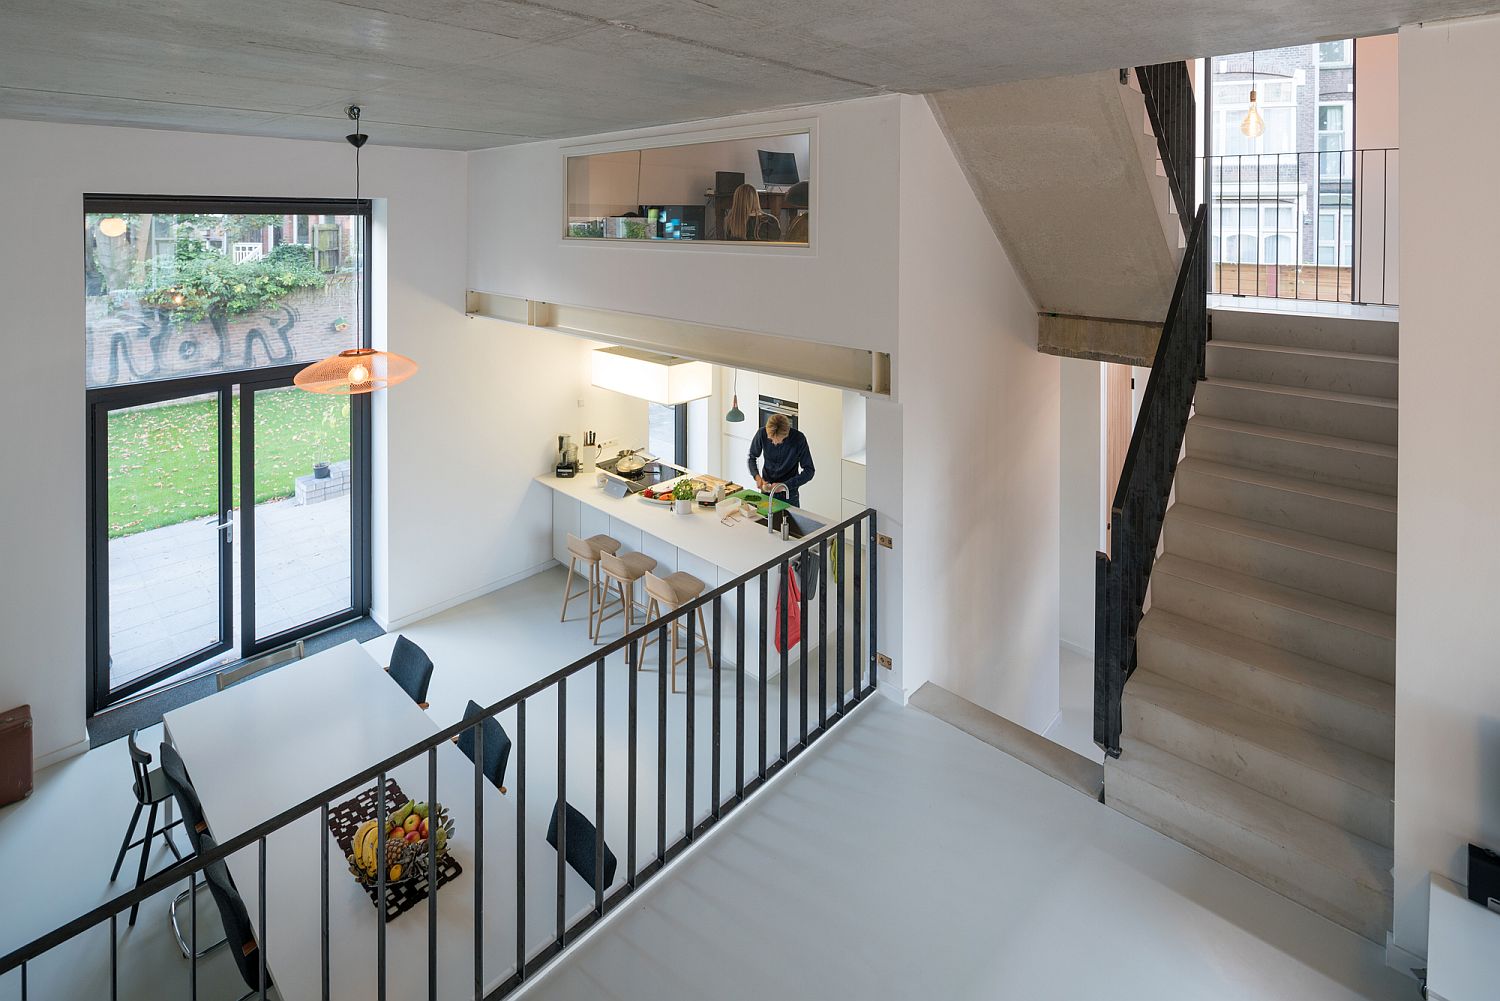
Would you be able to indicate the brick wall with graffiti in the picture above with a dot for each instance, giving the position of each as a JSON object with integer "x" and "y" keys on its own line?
{"x": 127, "y": 342}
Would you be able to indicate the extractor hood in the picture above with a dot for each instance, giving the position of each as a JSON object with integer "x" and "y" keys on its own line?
{"x": 650, "y": 376}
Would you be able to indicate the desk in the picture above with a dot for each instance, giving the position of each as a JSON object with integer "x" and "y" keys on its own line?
{"x": 261, "y": 747}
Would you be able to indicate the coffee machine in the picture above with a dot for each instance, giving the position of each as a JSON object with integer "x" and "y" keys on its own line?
{"x": 567, "y": 457}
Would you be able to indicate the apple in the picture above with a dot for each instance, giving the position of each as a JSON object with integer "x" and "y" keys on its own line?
{"x": 412, "y": 822}
{"x": 412, "y": 836}
{"x": 423, "y": 827}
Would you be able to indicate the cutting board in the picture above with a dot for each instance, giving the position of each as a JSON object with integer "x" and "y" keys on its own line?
{"x": 759, "y": 501}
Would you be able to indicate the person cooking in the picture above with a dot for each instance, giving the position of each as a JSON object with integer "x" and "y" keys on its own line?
{"x": 788, "y": 460}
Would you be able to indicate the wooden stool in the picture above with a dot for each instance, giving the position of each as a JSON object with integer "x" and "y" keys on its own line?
{"x": 620, "y": 574}
{"x": 671, "y": 593}
{"x": 588, "y": 550}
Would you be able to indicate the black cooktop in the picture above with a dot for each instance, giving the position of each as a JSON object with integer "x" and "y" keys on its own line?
{"x": 650, "y": 474}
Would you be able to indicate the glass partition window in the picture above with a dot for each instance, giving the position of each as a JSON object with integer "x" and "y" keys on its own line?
{"x": 728, "y": 191}
{"x": 169, "y": 295}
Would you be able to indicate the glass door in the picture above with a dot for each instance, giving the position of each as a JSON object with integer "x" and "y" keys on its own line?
{"x": 299, "y": 481}
{"x": 163, "y": 536}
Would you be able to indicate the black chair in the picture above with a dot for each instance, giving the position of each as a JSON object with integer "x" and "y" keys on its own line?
{"x": 411, "y": 669}
{"x": 579, "y": 851}
{"x": 496, "y": 746}
{"x": 237, "y": 929}
{"x": 196, "y": 825}
{"x": 150, "y": 788}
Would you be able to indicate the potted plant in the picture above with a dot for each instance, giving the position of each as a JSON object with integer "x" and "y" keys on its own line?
{"x": 320, "y": 471}
{"x": 683, "y": 495}
{"x": 340, "y": 325}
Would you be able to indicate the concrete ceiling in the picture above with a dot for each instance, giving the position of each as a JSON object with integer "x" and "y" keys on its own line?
{"x": 470, "y": 74}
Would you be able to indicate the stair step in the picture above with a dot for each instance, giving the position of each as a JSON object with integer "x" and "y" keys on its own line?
{"x": 1330, "y": 871}
{"x": 1362, "y": 465}
{"x": 1358, "y": 575}
{"x": 1356, "y": 639}
{"x": 1308, "y": 368}
{"x": 1357, "y": 516}
{"x": 1322, "y": 333}
{"x": 1346, "y": 706}
{"x": 1342, "y": 415}
{"x": 1330, "y": 780}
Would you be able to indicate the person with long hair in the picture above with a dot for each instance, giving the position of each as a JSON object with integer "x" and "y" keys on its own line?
{"x": 743, "y": 212}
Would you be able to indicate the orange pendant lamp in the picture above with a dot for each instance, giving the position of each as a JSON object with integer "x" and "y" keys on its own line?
{"x": 357, "y": 370}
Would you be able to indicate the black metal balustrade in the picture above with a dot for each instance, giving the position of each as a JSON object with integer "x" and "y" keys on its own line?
{"x": 1168, "y": 90}
{"x": 1140, "y": 501}
{"x": 1316, "y": 225}
{"x": 846, "y": 548}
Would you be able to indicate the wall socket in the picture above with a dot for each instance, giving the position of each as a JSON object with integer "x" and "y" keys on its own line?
{"x": 884, "y": 661}
{"x": 884, "y": 541}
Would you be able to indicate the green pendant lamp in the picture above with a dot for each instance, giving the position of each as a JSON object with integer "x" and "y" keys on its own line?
{"x": 735, "y": 415}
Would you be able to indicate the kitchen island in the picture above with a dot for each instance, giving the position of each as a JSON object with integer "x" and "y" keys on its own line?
{"x": 697, "y": 543}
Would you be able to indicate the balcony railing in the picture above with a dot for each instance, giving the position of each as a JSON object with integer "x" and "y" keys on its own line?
{"x": 840, "y": 560}
{"x": 1318, "y": 225}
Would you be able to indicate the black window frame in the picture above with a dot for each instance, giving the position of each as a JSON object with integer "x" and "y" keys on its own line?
{"x": 97, "y": 401}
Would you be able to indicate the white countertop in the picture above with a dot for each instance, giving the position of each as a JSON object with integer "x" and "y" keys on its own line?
{"x": 738, "y": 548}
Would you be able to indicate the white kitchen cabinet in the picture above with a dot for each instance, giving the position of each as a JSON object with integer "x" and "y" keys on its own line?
{"x": 665, "y": 554}
{"x": 852, "y": 508}
{"x": 628, "y": 536}
{"x": 820, "y": 416}
{"x": 775, "y": 385}
{"x": 732, "y": 465}
{"x": 854, "y": 481}
{"x": 592, "y": 521}
{"x": 566, "y": 512}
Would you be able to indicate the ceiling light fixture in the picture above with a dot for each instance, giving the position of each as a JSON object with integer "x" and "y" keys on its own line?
{"x": 1254, "y": 126}
{"x": 736, "y": 415}
{"x": 357, "y": 370}
{"x": 660, "y": 378}
{"x": 113, "y": 226}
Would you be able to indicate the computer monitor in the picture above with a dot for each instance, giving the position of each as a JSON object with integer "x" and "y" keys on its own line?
{"x": 685, "y": 222}
{"x": 777, "y": 168}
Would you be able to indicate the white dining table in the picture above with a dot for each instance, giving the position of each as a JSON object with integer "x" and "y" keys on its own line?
{"x": 261, "y": 747}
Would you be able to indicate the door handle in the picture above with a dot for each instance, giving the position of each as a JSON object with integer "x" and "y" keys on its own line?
{"x": 226, "y": 526}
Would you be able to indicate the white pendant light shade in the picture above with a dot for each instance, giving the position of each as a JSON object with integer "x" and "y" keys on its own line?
{"x": 113, "y": 226}
{"x": 650, "y": 376}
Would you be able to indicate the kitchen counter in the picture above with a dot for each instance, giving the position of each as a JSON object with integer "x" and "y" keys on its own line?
{"x": 737, "y": 548}
{"x": 697, "y": 543}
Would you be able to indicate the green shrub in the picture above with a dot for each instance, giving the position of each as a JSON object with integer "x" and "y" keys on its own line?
{"x": 210, "y": 284}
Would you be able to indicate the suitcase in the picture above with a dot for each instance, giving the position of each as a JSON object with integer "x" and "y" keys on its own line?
{"x": 15, "y": 754}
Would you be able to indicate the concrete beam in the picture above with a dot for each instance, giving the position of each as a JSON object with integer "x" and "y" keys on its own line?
{"x": 1124, "y": 342}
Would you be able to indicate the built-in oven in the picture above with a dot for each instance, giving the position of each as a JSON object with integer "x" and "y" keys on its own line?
{"x": 771, "y": 405}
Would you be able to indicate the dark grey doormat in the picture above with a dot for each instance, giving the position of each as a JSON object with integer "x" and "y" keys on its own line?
{"x": 112, "y": 724}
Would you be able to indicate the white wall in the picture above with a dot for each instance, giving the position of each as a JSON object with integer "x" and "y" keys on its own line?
{"x": 1448, "y": 545}
{"x": 1082, "y": 486}
{"x": 981, "y": 427}
{"x": 451, "y": 475}
{"x": 841, "y": 290}
{"x": 1377, "y": 174}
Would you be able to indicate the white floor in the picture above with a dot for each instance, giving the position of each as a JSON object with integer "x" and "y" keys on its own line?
{"x": 1304, "y": 307}
{"x": 910, "y": 861}
{"x": 905, "y": 860}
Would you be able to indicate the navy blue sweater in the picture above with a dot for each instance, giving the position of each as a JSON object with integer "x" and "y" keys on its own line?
{"x": 791, "y": 462}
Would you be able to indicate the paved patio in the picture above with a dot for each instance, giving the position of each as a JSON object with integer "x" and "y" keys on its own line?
{"x": 164, "y": 592}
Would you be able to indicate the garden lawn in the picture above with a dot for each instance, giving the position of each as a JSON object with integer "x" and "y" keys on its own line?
{"x": 163, "y": 463}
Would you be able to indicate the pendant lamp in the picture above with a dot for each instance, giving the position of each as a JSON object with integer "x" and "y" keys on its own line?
{"x": 736, "y": 415}
{"x": 357, "y": 370}
{"x": 1253, "y": 126}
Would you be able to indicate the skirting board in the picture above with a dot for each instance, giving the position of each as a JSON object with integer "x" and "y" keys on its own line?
{"x": 459, "y": 599}
{"x": 61, "y": 754}
{"x": 1075, "y": 648}
{"x": 1400, "y": 959}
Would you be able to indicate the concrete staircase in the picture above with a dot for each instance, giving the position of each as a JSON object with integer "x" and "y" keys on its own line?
{"x": 1259, "y": 724}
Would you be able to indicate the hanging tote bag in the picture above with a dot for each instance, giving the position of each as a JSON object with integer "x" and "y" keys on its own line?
{"x": 788, "y": 613}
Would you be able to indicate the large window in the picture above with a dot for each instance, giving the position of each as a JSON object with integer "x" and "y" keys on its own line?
{"x": 228, "y": 510}
{"x": 751, "y": 190}
{"x": 667, "y": 432}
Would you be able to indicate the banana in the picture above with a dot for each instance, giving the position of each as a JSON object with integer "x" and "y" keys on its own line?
{"x": 356, "y": 846}
{"x": 368, "y": 848}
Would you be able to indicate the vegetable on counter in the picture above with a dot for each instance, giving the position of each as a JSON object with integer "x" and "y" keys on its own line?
{"x": 685, "y": 490}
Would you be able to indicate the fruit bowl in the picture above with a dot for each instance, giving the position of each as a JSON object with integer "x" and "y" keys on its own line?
{"x": 408, "y": 830}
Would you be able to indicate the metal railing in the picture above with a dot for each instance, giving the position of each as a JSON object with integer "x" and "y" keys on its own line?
{"x": 846, "y": 548}
{"x": 1140, "y": 501}
{"x": 1168, "y": 90}
{"x": 1317, "y": 225}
